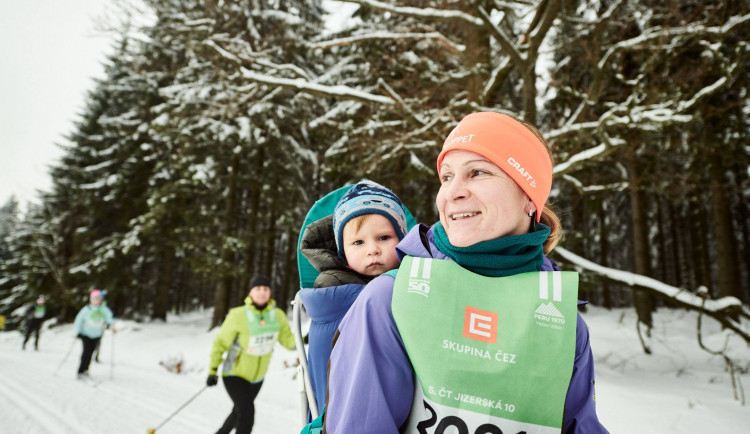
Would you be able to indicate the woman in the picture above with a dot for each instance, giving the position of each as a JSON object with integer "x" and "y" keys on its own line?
{"x": 35, "y": 316}
{"x": 248, "y": 335}
{"x": 474, "y": 334}
{"x": 89, "y": 325}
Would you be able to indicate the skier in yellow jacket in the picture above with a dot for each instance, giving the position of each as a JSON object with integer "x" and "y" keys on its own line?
{"x": 248, "y": 335}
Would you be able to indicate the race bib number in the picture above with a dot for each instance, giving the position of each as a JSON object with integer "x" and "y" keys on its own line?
{"x": 430, "y": 417}
{"x": 261, "y": 344}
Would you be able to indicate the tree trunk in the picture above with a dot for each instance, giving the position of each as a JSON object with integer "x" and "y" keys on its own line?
{"x": 724, "y": 233}
{"x": 677, "y": 258}
{"x": 270, "y": 244}
{"x": 290, "y": 284}
{"x": 585, "y": 242}
{"x": 251, "y": 239}
{"x": 476, "y": 54}
{"x": 705, "y": 242}
{"x": 743, "y": 214}
{"x": 642, "y": 300}
{"x": 224, "y": 283}
{"x": 662, "y": 239}
{"x": 604, "y": 252}
{"x": 684, "y": 241}
{"x": 164, "y": 283}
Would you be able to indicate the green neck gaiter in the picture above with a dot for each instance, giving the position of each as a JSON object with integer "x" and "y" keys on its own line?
{"x": 504, "y": 256}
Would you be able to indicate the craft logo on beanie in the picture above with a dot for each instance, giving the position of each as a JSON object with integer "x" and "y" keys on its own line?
{"x": 511, "y": 146}
{"x": 367, "y": 197}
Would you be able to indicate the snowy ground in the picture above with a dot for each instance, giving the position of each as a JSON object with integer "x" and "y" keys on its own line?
{"x": 678, "y": 389}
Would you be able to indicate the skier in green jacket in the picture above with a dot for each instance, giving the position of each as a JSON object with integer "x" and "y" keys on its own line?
{"x": 248, "y": 335}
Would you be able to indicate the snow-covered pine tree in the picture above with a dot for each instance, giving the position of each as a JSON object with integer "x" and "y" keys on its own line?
{"x": 247, "y": 140}
{"x": 636, "y": 84}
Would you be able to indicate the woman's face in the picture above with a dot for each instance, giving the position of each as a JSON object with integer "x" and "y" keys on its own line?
{"x": 477, "y": 201}
{"x": 260, "y": 294}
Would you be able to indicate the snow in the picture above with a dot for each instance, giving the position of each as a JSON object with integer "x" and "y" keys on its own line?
{"x": 678, "y": 388}
{"x": 339, "y": 16}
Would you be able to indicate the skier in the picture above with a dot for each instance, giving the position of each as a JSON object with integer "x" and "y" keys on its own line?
{"x": 475, "y": 292}
{"x": 247, "y": 335}
{"x": 90, "y": 323}
{"x": 369, "y": 219}
{"x": 35, "y": 316}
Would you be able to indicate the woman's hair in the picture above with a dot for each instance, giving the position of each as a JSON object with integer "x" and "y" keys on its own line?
{"x": 548, "y": 217}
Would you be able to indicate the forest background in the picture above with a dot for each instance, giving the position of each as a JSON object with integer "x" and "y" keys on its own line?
{"x": 220, "y": 122}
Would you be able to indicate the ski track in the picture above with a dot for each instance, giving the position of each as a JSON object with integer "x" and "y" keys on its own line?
{"x": 44, "y": 396}
{"x": 39, "y": 392}
{"x": 41, "y": 412}
{"x": 156, "y": 409}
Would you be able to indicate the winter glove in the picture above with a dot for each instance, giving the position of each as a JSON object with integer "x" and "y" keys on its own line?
{"x": 80, "y": 336}
{"x": 212, "y": 380}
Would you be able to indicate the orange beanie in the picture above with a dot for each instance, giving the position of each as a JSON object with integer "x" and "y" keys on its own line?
{"x": 511, "y": 146}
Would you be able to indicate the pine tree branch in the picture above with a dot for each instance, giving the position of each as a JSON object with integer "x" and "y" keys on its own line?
{"x": 400, "y": 101}
{"x": 246, "y": 62}
{"x": 583, "y": 189}
{"x": 498, "y": 76}
{"x": 430, "y": 13}
{"x": 339, "y": 92}
{"x": 687, "y": 30}
{"x": 375, "y": 36}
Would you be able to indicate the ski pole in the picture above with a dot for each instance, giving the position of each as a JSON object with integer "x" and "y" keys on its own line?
{"x": 70, "y": 350}
{"x": 153, "y": 430}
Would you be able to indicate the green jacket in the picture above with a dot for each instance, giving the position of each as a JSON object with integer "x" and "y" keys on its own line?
{"x": 234, "y": 336}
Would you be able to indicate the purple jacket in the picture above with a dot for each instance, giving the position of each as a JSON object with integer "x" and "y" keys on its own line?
{"x": 371, "y": 382}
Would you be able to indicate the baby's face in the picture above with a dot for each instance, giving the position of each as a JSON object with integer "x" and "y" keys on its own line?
{"x": 371, "y": 248}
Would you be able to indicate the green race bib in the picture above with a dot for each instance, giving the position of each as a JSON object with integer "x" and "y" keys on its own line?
{"x": 96, "y": 318}
{"x": 491, "y": 354}
{"x": 263, "y": 331}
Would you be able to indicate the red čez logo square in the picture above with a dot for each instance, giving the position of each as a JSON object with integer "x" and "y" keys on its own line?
{"x": 480, "y": 325}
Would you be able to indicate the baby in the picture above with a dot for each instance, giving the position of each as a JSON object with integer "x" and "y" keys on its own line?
{"x": 349, "y": 248}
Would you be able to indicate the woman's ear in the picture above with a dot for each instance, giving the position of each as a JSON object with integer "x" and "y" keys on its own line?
{"x": 530, "y": 208}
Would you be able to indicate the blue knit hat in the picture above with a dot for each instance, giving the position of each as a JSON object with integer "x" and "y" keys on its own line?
{"x": 367, "y": 197}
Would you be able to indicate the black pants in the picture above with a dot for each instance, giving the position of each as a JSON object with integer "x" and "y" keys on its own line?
{"x": 32, "y": 329}
{"x": 243, "y": 394}
{"x": 96, "y": 350}
{"x": 88, "y": 349}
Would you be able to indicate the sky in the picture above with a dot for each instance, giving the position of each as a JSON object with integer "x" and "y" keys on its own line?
{"x": 679, "y": 388}
{"x": 50, "y": 51}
